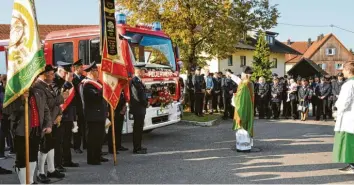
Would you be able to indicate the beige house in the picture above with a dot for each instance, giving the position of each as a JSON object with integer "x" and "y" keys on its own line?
{"x": 244, "y": 55}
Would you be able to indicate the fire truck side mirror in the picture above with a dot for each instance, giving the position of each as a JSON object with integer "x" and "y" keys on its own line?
{"x": 137, "y": 38}
{"x": 177, "y": 52}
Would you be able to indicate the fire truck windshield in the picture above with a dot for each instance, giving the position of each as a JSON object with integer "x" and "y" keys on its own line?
{"x": 153, "y": 50}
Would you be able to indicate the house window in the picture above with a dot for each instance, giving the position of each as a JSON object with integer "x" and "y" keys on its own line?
{"x": 322, "y": 66}
{"x": 275, "y": 63}
{"x": 229, "y": 61}
{"x": 330, "y": 51}
{"x": 243, "y": 61}
{"x": 270, "y": 39}
{"x": 339, "y": 66}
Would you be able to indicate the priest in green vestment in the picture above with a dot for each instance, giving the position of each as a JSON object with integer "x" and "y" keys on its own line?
{"x": 343, "y": 150}
{"x": 243, "y": 102}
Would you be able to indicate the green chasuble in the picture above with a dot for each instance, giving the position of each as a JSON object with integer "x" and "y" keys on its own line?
{"x": 244, "y": 107}
{"x": 343, "y": 148}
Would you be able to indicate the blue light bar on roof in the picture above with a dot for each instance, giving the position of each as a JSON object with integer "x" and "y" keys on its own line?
{"x": 156, "y": 26}
{"x": 121, "y": 19}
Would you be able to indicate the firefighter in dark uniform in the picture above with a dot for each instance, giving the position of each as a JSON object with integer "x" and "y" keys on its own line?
{"x": 69, "y": 116}
{"x": 314, "y": 99}
{"x": 228, "y": 87}
{"x": 199, "y": 90}
{"x": 217, "y": 92}
{"x": 276, "y": 97}
{"x": 96, "y": 112}
{"x": 119, "y": 114}
{"x": 63, "y": 84}
{"x": 336, "y": 87}
{"x": 80, "y": 136}
{"x": 262, "y": 92}
{"x": 190, "y": 89}
{"x": 138, "y": 105}
{"x": 323, "y": 91}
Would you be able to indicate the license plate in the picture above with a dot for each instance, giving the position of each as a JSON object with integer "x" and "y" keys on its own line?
{"x": 160, "y": 112}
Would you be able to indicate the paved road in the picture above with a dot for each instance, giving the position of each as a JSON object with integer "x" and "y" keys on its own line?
{"x": 291, "y": 153}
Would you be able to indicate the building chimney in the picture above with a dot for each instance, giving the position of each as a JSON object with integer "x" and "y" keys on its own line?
{"x": 309, "y": 42}
{"x": 321, "y": 36}
{"x": 289, "y": 42}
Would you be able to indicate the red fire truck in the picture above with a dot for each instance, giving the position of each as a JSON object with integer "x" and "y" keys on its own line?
{"x": 147, "y": 45}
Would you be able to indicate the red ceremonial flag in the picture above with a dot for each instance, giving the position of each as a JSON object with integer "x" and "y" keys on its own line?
{"x": 115, "y": 76}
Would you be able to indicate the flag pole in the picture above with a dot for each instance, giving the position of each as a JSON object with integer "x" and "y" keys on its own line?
{"x": 113, "y": 137}
{"x": 27, "y": 142}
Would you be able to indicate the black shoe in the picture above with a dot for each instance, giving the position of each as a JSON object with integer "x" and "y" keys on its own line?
{"x": 78, "y": 151}
{"x": 140, "y": 151}
{"x": 60, "y": 168}
{"x": 104, "y": 159}
{"x": 5, "y": 171}
{"x": 104, "y": 153}
{"x": 42, "y": 178}
{"x": 122, "y": 148}
{"x": 71, "y": 164}
{"x": 348, "y": 170}
{"x": 55, "y": 174}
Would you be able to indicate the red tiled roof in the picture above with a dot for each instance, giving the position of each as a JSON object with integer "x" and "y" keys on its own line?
{"x": 295, "y": 59}
{"x": 316, "y": 46}
{"x": 43, "y": 29}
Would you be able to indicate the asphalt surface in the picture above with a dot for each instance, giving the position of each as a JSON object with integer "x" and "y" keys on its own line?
{"x": 291, "y": 152}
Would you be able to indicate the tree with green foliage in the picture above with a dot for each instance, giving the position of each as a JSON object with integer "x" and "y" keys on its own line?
{"x": 261, "y": 63}
{"x": 209, "y": 26}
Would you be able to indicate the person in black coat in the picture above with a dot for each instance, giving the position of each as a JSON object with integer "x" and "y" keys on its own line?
{"x": 96, "y": 112}
{"x": 138, "y": 105}
{"x": 262, "y": 93}
{"x": 190, "y": 90}
{"x": 323, "y": 91}
{"x": 199, "y": 91}
{"x": 80, "y": 136}
{"x": 228, "y": 87}
{"x": 276, "y": 97}
{"x": 119, "y": 114}
{"x": 217, "y": 92}
{"x": 336, "y": 87}
{"x": 314, "y": 100}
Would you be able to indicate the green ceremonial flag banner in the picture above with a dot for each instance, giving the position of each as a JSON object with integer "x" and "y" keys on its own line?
{"x": 25, "y": 55}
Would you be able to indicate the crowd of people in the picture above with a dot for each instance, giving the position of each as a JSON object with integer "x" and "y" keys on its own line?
{"x": 67, "y": 110}
{"x": 288, "y": 96}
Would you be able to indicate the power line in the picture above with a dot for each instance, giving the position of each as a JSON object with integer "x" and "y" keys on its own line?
{"x": 302, "y": 25}
{"x": 317, "y": 26}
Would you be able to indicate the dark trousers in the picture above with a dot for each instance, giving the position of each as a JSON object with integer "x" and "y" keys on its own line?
{"x": 217, "y": 100}
{"x": 67, "y": 126}
{"x": 322, "y": 109}
{"x": 228, "y": 113}
{"x": 314, "y": 103}
{"x": 286, "y": 107}
{"x": 276, "y": 109}
{"x": 263, "y": 107}
{"x": 138, "y": 127}
{"x": 46, "y": 143}
{"x": 331, "y": 103}
{"x": 199, "y": 98}
{"x": 208, "y": 101}
{"x": 20, "y": 143}
{"x": 191, "y": 100}
{"x": 95, "y": 137}
{"x": 293, "y": 109}
{"x": 5, "y": 135}
{"x": 58, "y": 137}
{"x": 118, "y": 125}
{"x": 80, "y": 137}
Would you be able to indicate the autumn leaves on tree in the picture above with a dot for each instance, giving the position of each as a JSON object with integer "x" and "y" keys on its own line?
{"x": 202, "y": 26}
